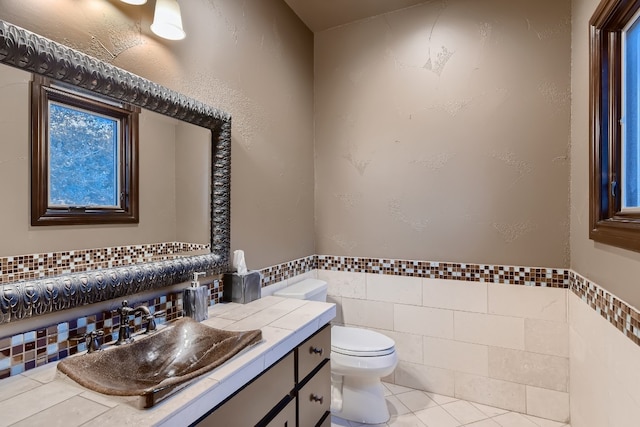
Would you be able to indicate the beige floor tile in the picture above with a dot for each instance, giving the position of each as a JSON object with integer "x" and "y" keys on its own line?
{"x": 387, "y": 392}
{"x": 437, "y": 417}
{"x": 416, "y": 408}
{"x": 490, "y": 411}
{"x": 440, "y": 399}
{"x": 484, "y": 423}
{"x": 416, "y": 400}
{"x": 514, "y": 419}
{"x": 396, "y": 407}
{"x": 407, "y": 420}
{"x": 464, "y": 412}
{"x": 395, "y": 389}
{"x": 543, "y": 422}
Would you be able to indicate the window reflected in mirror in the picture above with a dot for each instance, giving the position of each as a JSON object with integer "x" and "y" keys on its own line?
{"x": 84, "y": 157}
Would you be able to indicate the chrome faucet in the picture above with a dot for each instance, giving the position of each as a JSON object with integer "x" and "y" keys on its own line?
{"x": 148, "y": 317}
{"x": 124, "y": 331}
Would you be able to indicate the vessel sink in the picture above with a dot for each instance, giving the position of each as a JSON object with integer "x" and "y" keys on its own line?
{"x": 156, "y": 366}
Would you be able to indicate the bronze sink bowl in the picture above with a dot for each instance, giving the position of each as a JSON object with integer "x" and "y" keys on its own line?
{"x": 156, "y": 366}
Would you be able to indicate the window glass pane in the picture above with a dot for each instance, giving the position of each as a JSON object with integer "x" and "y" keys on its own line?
{"x": 83, "y": 158}
{"x": 631, "y": 118}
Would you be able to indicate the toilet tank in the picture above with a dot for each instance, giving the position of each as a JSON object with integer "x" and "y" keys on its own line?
{"x": 308, "y": 289}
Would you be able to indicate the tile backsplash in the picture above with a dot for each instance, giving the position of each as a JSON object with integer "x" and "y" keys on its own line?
{"x": 27, "y": 350}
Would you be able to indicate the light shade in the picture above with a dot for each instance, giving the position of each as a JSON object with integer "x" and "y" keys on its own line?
{"x": 167, "y": 20}
{"x": 136, "y": 2}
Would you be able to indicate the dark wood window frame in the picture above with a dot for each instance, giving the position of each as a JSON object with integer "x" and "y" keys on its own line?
{"x": 608, "y": 223}
{"x": 43, "y": 91}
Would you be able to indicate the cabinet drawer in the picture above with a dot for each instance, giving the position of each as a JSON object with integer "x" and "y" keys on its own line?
{"x": 314, "y": 398}
{"x": 313, "y": 351}
{"x": 252, "y": 403}
{"x": 286, "y": 417}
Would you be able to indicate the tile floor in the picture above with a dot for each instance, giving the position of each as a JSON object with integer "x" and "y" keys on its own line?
{"x": 415, "y": 408}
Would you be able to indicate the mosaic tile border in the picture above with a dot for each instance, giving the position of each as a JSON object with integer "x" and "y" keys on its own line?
{"x": 622, "y": 316}
{"x": 287, "y": 270}
{"x": 30, "y": 349}
{"x": 510, "y": 275}
{"x": 41, "y": 265}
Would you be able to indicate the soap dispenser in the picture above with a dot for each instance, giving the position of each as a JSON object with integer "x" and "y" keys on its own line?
{"x": 194, "y": 300}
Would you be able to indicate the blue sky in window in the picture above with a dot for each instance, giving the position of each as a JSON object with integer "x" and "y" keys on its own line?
{"x": 631, "y": 112}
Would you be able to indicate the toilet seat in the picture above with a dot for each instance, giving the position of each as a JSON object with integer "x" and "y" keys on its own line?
{"x": 360, "y": 342}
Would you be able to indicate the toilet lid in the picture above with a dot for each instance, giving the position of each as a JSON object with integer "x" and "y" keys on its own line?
{"x": 360, "y": 342}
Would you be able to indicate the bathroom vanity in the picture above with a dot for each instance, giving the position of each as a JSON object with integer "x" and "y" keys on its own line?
{"x": 302, "y": 380}
{"x": 282, "y": 381}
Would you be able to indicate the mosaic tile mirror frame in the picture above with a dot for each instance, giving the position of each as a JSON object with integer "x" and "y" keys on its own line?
{"x": 22, "y": 299}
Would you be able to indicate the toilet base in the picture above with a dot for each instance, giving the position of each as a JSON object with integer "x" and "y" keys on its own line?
{"x": 362, "y": 400}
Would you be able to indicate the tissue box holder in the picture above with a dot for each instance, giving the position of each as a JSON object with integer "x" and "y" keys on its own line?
{"x": 241, "y": 288}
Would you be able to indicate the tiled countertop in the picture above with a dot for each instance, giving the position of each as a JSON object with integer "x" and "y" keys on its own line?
{"x": 42, "y": 397}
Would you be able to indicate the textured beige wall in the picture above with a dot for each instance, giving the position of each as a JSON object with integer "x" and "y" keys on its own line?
{"x": 442, "y": 133}
{"x": 615, "y": 269}
{"x": 193, "y": 175}
{"x": 253, "y": 59}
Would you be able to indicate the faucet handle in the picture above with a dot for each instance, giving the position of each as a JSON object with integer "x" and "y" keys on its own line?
{"x": 150, "y": 319}
{"x": 91, "y": 339}
{"x": 123, "y": 310}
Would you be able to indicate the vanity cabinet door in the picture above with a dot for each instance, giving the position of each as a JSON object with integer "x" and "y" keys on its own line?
{"x": 312, "y": 352}
{"x": 251, "y": 404}
{"x": 314, "y": 398}
{"x": 286, "y": 417}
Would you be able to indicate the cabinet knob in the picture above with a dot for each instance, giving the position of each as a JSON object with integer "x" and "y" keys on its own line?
{"x": 316, "y": 398}
{"x": 316, "y": 350}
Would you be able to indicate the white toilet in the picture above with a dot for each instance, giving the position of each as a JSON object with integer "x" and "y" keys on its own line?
{"x": 359, "y": 358}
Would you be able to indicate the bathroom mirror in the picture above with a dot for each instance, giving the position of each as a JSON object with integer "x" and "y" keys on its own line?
{"x": 164, "y": 109}
{"x": 174, "y": 159}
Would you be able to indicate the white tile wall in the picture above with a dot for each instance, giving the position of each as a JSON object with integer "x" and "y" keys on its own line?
{"x": 406, "y": 290}
{"x": 528, "y": 302}
{"x": 546, "y": 337}
{"x": 456, "y": 356}
{"x": 344, "y": 284}
{"x": 422, "y": 377}
{"x": 501, "y": 331}
{"x": 523, "y": 367}
{"x": 547, "y": 403}
{"x": 372, "y": 314}
{"x": 605, "y": 371}
{"x": 481, "y": 342}
{"x": 489, "y": 391}
{"x": 540, "y": 351}
{"x": 455, "y": 295}
{"x": 431, "y": 322}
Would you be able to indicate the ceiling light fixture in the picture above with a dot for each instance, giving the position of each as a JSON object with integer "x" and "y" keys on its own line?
{"x": 167, "y": 20}
{"x": 136, "y": 2}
